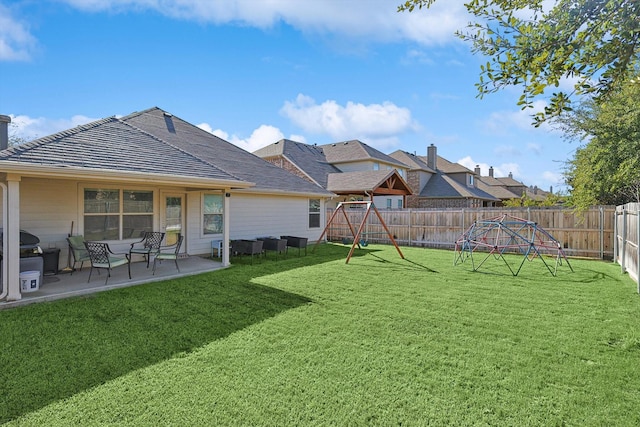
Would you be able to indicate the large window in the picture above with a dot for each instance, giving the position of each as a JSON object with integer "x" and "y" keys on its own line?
{"x": 314, "y": 213}
{"x": 213, "y": 210}
{"x": 114, "y": 214}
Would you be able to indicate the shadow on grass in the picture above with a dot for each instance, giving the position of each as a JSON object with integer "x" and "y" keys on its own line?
{"x": 414, "y": 264}
{"x": 51, "y": 351}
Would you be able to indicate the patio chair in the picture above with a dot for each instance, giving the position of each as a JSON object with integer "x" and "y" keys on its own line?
{"x": 102, "y": 257}
{"x": 78, "y": 251}
{"x": 149, "y": 245}
{"x": 170, "y": 252}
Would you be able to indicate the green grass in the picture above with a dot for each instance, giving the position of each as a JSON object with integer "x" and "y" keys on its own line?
{"x": 314, "y": 341}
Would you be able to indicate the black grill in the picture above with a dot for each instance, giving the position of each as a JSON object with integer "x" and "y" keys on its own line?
{"x": 28, "y": 244}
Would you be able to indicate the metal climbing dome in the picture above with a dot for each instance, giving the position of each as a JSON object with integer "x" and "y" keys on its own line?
{"x": 509, "y": 235}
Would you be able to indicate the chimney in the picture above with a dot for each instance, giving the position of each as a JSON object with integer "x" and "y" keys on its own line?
{"x": 4, "y": 131}
{"x": 551, "y": 189}
{"x": 491, "y": 171}
{"x": 510, "y": 175}
{"x": 477, "y": 170}
{"x": 432, "y": 155}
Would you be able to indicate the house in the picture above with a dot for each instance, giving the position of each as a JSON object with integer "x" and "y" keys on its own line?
{"x": 351, "y": 169}
{"x": 497, "y": 187}
{"x": 438, "y": 183}
{"x": 149, "y": 171}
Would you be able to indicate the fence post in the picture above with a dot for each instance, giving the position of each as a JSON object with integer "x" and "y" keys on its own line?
{"x": 616, "y": 249}
{"x": 409, "y": 243}
{"x": 623, "y": 261}
{"x": 638, "y": 247}
{"x": 601, "y": 226}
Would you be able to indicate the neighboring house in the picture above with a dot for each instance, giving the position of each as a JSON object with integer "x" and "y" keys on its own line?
{"x": 537, "y": 194}
{"x": 507, "y": 188}
{"x": 439, "y": 183}
{"x": 351, "y": 169}
{"x": 112, "y": 178}
{"x": 496, "y": 187}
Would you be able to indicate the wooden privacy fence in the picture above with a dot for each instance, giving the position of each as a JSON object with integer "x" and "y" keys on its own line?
{"x": 589, "y": 234}
{"x": 627, "y": 239}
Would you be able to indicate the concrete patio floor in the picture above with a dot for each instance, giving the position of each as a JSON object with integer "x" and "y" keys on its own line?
{"x": 65, "y": 285}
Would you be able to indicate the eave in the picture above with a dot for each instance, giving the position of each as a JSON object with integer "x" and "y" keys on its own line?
{"x": 112, "y": 175}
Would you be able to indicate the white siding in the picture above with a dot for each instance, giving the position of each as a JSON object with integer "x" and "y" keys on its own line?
{"x": 48, "y": 207}
{"x": 258, "y": 216}
{"x": 197, "y": 242}
{"x": 381, "y": 201}
{"x": 356, "y": 166}
{"x": 368, "y": 165}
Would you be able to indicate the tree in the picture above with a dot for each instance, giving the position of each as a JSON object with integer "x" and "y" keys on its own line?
{"x": 14, "y": 138}
{"x": 552, "y": 199}
{"x": 606, "y": 168}
{"x": 595, "y": 43}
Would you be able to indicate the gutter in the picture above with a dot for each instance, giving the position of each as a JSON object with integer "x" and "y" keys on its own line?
{"x": 70, "y": 172}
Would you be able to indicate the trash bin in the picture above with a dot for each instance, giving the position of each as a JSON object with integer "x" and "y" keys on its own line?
{"x": 51, "y": 258}
{"x": 29, "y": 281}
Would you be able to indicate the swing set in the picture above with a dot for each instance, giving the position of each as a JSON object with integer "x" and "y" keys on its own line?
{"x": 508, "y": 234}
{"x": 359, "y": 235}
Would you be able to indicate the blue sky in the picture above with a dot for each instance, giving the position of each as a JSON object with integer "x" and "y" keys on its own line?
{"x": 254, "y": 71}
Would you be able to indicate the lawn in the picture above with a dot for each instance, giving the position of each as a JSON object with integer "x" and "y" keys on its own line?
{"x": 314, "y": 341}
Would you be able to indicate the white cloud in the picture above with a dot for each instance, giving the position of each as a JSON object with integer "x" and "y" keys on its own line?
{"x": 16, "y": 43}
{"x": 506, "y": 151}
{"x": 501, "y": 122}
{"x": 376, "y": 20}
{"x": 30, "y": 128}
{"x": 207, "y": 127}
{"x": 260, "y": 137}
{"x": 534, "y": 148}
{"x": 376, "y": 124}
{"x": 499, "y": 171}
{"x": 555, "y": 178}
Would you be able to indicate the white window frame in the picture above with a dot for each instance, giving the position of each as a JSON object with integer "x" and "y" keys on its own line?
{"x": 202, "y": 211}
{"x": 120, "y": 214}
{"x": 314, "y": 213}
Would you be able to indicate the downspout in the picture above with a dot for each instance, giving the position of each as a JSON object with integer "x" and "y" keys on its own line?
{"x": 4, "y": 144}
{"x": 225, "y": 227}
{"x": 5, "y": 221}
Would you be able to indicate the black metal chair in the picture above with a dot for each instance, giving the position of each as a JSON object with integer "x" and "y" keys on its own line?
{"x": 101, "y": 256}
{"x": 170, "y": 252}
{"x": 149, "y": 245}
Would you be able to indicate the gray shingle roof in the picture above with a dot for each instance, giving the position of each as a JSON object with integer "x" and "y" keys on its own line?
{"x": 308, "y": 158}
{"x": 112, "y": 144}
{"x": 413, "y": 161}
{"x": 360, "y": 181}
{"x": 354, "y": 150}
{"x": 441, "y": 186}
{"x": 449, "y": 167}
{"x": 497, "y": 191}
{"x": 220, "y": 153}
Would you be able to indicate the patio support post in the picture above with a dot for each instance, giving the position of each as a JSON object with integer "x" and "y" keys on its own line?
{"x": 225, "y": 228}
{"x": 12, "y": 231}
{"x": 5, "y": 215}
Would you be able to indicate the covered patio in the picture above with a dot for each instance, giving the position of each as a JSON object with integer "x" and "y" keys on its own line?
{"x": 65, "y": 285}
